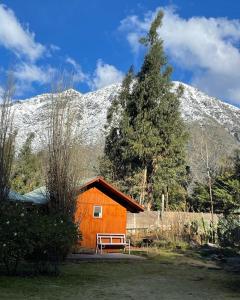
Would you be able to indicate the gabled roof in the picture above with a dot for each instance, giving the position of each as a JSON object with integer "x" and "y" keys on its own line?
{"x": 123, "y": 199}
{"x": 39, "y": 196}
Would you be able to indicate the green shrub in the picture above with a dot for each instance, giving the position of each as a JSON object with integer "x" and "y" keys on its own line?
{"x": 26, "y": 233}
{"x": 135, "y": 241}
{"x": 15, "y": 235}
{"x": 229, "y": 231}
{"x": 162, "y": 243}
{"x": 53, "y": 238}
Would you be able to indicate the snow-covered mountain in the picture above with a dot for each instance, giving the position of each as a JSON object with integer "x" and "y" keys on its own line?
{"x": 30, "y": 114}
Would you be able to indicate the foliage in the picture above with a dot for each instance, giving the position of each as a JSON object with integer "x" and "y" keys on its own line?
{"x": 198, "y": 231}
{"x": 27, "y": 233}
{"x": 229, "y": 231}
{"x": 27, "y": 175}
{"x": 15, "y": 235}
{"x": 145, "y": 142}
{"x": 114, "y": 164}
{"x": 225, "y": 190}
{"x": 53, "y": 238}
{"x": 177, "y": 194}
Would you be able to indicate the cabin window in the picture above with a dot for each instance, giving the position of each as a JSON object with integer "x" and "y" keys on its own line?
{"x": 97, "y": 211}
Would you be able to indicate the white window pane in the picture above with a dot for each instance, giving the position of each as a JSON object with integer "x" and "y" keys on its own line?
{"x": 97, "y": 211}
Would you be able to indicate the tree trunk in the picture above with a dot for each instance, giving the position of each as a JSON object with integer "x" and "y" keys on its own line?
{"x": 143, "y": 189}
{"x": 211, "y": 203}
{"x": 210, "y": 194}
{"x": 163, "y": 202}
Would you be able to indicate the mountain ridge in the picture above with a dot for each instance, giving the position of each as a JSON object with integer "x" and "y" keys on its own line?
{"x": 196, "y": 106}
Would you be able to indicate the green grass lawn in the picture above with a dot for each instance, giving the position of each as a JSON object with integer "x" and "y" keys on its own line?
{"x": 164, "y": 276}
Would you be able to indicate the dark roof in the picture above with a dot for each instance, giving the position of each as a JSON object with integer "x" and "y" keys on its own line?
{"x": 123, "y": 199}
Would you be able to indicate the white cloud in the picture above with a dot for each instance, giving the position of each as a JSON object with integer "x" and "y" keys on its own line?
{"x": 104, "y": 75}
{"x": 32, "y": 73}
{"x": 205, "y": 46}
{"x": 16, "y": 38}
{"x": 26, "y": 74}
{"x": 28, "y": 69}
{"x": 78, "y": 75}
{"x": 55, "y": 47}
{"x": 72, "y": 62}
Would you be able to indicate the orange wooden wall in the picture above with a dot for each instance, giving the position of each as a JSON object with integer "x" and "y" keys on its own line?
{"x": 114, "y": 216}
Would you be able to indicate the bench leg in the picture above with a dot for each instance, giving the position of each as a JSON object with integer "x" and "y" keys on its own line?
{"x": 129, "y": 250}
{"x": 101, "y": 248}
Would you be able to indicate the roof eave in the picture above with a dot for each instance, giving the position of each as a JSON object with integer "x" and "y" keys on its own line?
{"x": 131, "y": 206}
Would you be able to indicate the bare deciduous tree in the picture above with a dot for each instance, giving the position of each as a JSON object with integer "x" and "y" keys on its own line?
{"x": 61, "y": 173}
{"x": 7, "y": 138}
{"x": 208, "y": 151}
{"x": 220, "y": 146}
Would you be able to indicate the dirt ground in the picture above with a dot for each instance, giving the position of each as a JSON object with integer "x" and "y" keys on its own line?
{"x": 166, "y": 275}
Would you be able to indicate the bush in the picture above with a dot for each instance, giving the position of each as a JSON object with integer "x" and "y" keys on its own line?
{"x": 26, "y": 233}
{"x": 15, "y": 235}
{"x": 229, "y": 231}
{"x": 53, "y": 238}
{"x": 162, "y": 243}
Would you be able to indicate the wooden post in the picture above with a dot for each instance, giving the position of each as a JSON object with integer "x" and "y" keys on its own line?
{"x": 167, "y": 198}
{"x": 163, "y": 202}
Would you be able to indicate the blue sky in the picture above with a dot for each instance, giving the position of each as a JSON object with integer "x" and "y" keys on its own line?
{"x": 97, "y": 41}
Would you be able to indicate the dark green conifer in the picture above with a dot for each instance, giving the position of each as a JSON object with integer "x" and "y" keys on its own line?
{"x": 147, "y": 147}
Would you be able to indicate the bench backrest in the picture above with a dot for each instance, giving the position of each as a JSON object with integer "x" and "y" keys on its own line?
{"x": 111, "y": 238}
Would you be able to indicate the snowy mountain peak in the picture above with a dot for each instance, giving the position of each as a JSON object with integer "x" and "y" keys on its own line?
{"x": 30, "y": 114}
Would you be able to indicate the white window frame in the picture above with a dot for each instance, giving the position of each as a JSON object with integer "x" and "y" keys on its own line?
{"x": 101, "y": 212}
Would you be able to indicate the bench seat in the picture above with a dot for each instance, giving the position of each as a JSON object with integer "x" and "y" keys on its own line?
{"x": 111, "y": 239}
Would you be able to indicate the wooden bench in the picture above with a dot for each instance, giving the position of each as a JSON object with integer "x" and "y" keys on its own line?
{"x": 111, "y": 239}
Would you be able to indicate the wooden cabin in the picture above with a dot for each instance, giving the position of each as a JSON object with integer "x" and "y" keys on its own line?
{"x": 101, "y": 208}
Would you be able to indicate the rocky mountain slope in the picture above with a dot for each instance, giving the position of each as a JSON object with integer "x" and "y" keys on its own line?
{"x": 196, "y": 107}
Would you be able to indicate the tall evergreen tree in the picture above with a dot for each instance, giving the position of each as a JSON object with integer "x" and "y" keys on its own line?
{"x": 114, "y": 164}
{"x": 150, "y": 134}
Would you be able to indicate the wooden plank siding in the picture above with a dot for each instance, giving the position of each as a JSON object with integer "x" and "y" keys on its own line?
{"x": 113, "y": 220}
